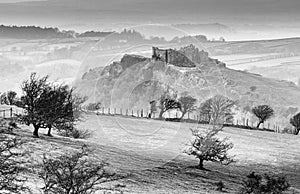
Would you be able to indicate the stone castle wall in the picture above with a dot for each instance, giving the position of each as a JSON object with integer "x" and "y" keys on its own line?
{"x": 173, "y": 57}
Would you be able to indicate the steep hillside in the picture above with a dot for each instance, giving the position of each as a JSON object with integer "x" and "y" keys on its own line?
{"x": 133, "y": 86}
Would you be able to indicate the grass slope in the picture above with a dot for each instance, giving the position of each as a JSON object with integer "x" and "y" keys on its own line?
{"x": 150, "y": 154}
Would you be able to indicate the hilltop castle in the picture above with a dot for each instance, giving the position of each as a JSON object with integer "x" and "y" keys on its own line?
{"x": 188, "y": 56}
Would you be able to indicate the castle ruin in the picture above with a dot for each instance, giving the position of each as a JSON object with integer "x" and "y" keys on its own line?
{"x": 171, "y": 56}
{"x": 188, "y": 56}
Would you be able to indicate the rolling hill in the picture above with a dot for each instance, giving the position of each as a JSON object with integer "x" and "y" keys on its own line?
{"x": 134, "y": 85}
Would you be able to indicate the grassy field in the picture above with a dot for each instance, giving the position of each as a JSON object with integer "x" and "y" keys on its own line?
{"x": 150, "y": 154}
{"x": 151, "y": 151}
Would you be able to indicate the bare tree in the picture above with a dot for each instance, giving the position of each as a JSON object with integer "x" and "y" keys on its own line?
{"x": 58, "y": 106}
{"x": 153, "y": 108}
{"x": 263, "y": 113}
{"x": 187, "y": 104}
{"x": 295, "y": 121}
{"x": 32, "y": 102}
{"x": 48, "y": 106}
{"x": 206, "y": 147}
{"x": 3, "y": 98}
{"x": 217, "y": 109}
{"x": 11, "y": 97}
{"x": 74, "y": 174}
{"x": 167, "y": 102}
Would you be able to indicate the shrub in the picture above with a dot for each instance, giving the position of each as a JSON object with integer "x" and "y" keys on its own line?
{"x": 74, "y": 174}
{"x": 7, "y": 126}
{"x": 11, "y": 166}
{"x": 94, "y": 106}
{"x": 220, "y": 186}
{"x": 266, "y": 184}
{"x": 76, "y": 133}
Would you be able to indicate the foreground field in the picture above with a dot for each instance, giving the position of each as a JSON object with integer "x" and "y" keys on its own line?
{"x": 151, "y": 151}
{"x": 149, "y": 154}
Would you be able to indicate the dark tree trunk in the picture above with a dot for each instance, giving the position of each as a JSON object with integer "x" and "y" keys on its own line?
{"x": 36, "y": 130}
{"x": 201, "y": 166}
{"x": 297, "y": 131}
{"x": 49, "y": 131}
{"x": 183, "y": 114}
{"x": 260, "y": 122}
{"x": 161, "y": 114}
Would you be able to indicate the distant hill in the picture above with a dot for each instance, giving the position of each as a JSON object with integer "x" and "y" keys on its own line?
{"x": 215, "y": 30}
{"x": 35, "y": 32}
{"x": 121, "y": 85}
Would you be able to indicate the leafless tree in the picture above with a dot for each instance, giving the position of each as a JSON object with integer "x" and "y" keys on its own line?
{"x": 187, "y": 104}
{"x": 207, "y": 147}
{"x": 167, "y": 102}
{"x": 263, "y": 113}
{"x": 217, "y": 109}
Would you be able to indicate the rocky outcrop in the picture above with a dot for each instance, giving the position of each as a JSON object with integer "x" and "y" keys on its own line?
{"x": 114, "y": 69}
{"x": 200, "y": 57}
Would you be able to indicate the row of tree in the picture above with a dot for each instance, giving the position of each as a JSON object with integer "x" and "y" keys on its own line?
{"x": 47, "y": 105}
{"x": 36, "y": 32}
{"x": 215, "y": 109}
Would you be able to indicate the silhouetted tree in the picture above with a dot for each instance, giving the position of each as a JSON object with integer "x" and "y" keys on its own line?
{"x": 295, "y": 121}
{"x": 187, "y": 104}
{"x": 68, "y": 125}
{"x": 167, "y": 102}
{"x": 11, "y": 97}
{"x": 33, "y": 103}
{"x": 58, "y": 107}
{"x": 263, "y": 113}
{"x": 153, "y": 108}
{"x": 3, "y": 98}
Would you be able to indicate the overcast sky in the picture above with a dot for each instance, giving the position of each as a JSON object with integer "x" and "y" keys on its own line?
{"x": 113, "y": 14}
{"x": 16, "y": 1}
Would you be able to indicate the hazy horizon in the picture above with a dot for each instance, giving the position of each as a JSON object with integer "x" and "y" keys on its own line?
{"x": 255, "y": 19}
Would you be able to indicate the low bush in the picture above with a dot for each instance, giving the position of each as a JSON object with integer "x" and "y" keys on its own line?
{"x": 74, "y": 173}
{"x": 266, "y": 184}
{"x": 220, "y": 186}
{"x": 11, "y": 166}
{"x": 76, "y": 133}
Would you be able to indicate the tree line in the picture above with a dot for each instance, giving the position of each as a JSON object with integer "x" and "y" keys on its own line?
{"x": 36, "y": 32}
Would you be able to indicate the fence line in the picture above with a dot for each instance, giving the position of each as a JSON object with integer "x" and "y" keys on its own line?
{"x": 145, "y": 113}
{"x": 189, "y": 117}
{"x": 9, "y": 113}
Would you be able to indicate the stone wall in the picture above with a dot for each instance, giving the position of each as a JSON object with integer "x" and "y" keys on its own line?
{"x": 172, "y": 56}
